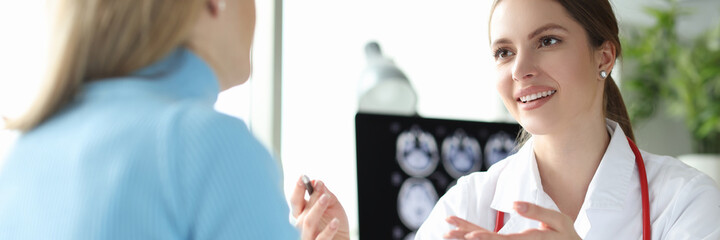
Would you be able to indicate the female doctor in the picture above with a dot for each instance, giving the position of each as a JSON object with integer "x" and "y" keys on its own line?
{"x": 578, "y": 175}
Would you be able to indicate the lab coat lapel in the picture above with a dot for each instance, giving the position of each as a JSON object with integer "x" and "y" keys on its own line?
{"x": 517, "y": 182}
{"x": 520, "y": 181}
{"x": 609, "y": 187}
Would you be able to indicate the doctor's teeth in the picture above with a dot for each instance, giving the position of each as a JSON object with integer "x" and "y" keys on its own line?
{"x": 535, "y": 96}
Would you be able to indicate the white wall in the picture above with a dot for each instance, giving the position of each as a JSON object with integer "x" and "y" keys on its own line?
{"x": 23, "y": 48}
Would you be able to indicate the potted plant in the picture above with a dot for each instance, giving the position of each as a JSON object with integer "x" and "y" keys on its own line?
{"x": 662, "y": 70}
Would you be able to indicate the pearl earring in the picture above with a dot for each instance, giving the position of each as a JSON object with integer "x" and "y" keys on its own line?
{"x": 603, "y": 74}
{"x": 221, "y": 5}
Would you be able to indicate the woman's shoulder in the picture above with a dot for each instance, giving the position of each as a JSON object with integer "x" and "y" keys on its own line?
{"x": 195, "y": 127}
{"x": 469, "y": 199}
{"x": 485, "y": 182}
{"x": 486, "y": 177}
{"x": 670, "y": 170}
{"x": 197, "y": 118}
{"x": 684, "y": 199}
{"x": 216, "y": 155}
{"x": 676, "y": 185}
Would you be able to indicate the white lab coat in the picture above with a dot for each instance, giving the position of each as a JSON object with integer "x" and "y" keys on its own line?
{"x": 684, "y": 203}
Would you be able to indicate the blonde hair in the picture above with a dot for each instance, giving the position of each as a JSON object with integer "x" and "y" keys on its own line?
{"x": 97, "y": 39}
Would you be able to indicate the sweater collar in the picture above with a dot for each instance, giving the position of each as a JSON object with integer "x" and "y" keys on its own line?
{"x": 182, "y": 74}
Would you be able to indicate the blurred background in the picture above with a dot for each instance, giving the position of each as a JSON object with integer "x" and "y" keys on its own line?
{"x": 310, "y": 59}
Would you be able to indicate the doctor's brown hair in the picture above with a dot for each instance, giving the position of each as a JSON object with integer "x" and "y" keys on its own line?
{"x": 598, "y": 20}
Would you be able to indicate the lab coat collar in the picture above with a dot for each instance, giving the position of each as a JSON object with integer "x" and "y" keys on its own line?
{"x": 612, "y": 181}
{"x": 520, "y": 181}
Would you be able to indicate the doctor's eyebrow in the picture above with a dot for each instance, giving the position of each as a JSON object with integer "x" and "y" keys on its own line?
{"x": 546, "y": 27}
{"x": 538, "y": 31}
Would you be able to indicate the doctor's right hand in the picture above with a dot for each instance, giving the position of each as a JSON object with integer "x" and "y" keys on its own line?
{"x": 322, "y": 216}
{"x": 553, "y": 225}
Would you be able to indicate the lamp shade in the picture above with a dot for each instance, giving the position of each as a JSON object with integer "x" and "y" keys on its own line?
{"x": 384, "y": 88}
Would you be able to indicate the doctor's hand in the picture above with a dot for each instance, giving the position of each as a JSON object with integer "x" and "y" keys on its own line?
{"x": 553, "y": 225}
{"x": 321, "y": 217}
{"x": 463, "y": 228}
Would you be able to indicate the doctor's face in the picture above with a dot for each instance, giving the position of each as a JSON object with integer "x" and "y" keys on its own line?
{"x": 546, "y": 70}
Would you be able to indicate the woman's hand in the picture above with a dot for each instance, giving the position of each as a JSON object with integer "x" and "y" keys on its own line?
{"x": 553, "y": 225}
{"x": 463, "y": 228}
{"x": 321, "y": 217}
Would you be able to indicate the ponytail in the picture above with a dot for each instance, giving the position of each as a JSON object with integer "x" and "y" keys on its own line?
{"x": 614, "y": 107}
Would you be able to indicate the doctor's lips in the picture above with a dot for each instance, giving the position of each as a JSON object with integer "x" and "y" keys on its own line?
{"x": 533, "y": 93}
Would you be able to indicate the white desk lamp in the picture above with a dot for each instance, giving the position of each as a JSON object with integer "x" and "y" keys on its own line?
{"x": 384, "y": 88}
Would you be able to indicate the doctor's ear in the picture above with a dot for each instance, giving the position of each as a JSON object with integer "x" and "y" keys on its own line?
{"x": 216, "y": 7}
{"x": 605, "y": 57}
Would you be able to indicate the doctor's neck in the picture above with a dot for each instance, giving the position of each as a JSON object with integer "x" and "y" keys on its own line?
{"x": 567, "y": 160}
{"x": 579, "y": 145}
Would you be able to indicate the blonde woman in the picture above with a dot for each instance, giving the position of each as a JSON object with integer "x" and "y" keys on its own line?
{"x": 123, "y": 142}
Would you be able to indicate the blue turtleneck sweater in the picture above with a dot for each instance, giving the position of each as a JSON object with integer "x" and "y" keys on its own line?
{"x": 143, "y": 157}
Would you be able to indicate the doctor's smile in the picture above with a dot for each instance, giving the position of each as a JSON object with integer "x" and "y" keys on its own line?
{"x": 534, "y": 97}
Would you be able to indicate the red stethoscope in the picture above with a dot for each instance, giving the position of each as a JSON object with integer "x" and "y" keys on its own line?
{"x": 500, "y": 220}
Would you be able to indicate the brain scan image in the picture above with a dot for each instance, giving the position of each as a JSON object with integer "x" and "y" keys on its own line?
{"x": 498, "y": 147}
{"x": 417, "y": 152}
{"x": 461, "y": 154}
{"x": 416, "y": 199}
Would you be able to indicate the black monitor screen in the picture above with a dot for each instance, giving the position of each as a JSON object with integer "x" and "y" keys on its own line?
{"x": 404, "y": 164}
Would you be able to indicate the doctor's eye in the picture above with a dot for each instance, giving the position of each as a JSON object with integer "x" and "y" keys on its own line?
{"x": 502, "y": 53}
{"x": 549, "y": 41}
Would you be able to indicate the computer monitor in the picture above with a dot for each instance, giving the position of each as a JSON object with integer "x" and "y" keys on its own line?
{"x": 404, "y": 164}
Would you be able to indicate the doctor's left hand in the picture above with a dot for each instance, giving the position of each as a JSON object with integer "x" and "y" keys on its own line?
{"x": 322, "y": 216}
{"x": 553, "y": 225}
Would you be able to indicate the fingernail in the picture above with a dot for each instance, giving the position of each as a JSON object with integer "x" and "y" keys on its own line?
{"x": 450, "y": 220}
{"x": 521, "y": 207}
{"x": 319, "y": 185}
{"x": 324, "y": 199}
{"x": 300, "y": 181}
{"x": 334, "y": 223}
